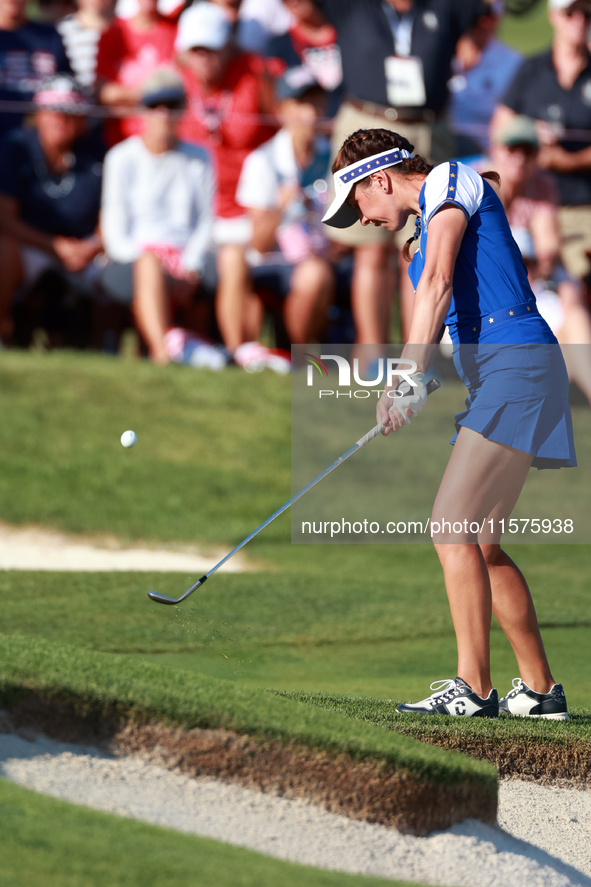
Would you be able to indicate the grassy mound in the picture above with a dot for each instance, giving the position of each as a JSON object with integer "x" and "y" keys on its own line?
{"x": 527, "y": 748}
{"x": 405, "y": 783}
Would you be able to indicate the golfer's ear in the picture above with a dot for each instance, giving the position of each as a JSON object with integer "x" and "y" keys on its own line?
{"x": 380, "y": 179}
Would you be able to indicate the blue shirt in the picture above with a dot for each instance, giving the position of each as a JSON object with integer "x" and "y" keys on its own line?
{"x": 27, "y": 56}
{"x": 491, "y": 295}
{"x": 66, "y": 205}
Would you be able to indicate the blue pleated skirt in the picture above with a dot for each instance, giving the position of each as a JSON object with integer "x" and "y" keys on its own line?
{"x": 518, "y": 396}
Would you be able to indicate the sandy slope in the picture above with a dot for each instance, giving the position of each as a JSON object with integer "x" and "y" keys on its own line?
{"x": 554, "y": 824}
{"x": 34, "y": 548}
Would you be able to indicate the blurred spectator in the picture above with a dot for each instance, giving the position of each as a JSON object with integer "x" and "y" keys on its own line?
{"x": 156, "y": 221}
{"x": 530, "y": 198}
{"x": 129, "y": 50}
{"x": 555, "y": 89}
{"x": 51, "y": 11}
{"x": 80, "y": 33}
{"x": 311, "y": 41}
{"x": 568, "y": 317}
{"x": 49, "y": 196}
{"x": 260, "y": 21}
{"x": 29, "y": 52}
{"x": 280, "y": 185}
{"x": 396, "y": 63}
{"x": 483, "y": 68}
{"x": 227, "y": 91}
{"x": 529, "y": 195}
{"x": 170, "y": 9}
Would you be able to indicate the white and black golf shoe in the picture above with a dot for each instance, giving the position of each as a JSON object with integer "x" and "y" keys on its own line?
{"x": 454, "y": 697}
{"x": 524, "y": 702}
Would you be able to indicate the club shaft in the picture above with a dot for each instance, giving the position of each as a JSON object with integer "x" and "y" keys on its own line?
{"x": 433, "y": 385}
{"x": 357, "y": 446}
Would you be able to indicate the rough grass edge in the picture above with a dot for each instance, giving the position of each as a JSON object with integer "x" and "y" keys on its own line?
{"x": 534, "y": 749}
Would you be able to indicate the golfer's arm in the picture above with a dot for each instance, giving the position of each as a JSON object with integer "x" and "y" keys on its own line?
{"x": 433, "y": 294}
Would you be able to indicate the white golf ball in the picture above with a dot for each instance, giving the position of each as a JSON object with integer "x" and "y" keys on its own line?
{"x": 128, "y": 439}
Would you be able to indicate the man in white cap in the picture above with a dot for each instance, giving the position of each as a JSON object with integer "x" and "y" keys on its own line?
{"x": 554, "y": 88}
{"x": 227, "y": 92}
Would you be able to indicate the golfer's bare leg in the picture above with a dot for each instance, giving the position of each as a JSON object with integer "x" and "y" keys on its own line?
{"x": 311, "y": 292}
{"x": 479, "y": 474}
{"x": 514, "y": 610}
{"x": 150, "y": 305}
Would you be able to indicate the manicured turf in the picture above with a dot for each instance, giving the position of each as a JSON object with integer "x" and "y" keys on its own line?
{"x": 312, "y": 625}
{"x": 48, "y": 842}
{"x": 213, "y": 449}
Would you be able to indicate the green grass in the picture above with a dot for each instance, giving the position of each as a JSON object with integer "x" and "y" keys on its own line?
{"x": 55, "y": 844}
{"x": 335, "y": 622}
{"x": 213, "y": 448}
{"x": 375, "y": 711}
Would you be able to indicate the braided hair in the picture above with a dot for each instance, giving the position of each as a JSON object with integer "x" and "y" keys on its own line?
{"x": 367, "y": 142}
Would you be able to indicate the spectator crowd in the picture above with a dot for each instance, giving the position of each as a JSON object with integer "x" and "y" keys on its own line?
{"x": 166, "y": 166}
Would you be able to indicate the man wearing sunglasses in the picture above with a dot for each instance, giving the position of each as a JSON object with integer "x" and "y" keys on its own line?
{"x": 554, "y": 88}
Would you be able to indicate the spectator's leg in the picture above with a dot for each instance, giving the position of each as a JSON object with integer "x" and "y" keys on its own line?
{"x": 252, "y": 318}
{"x": 311, "y": 292}
{"x": 233, "y": 286}
{"x": 575, "y": 336}
{"x": 150, "y": 305}
{"x": 10, "y": 280}
{"x": 371, "y": 296}
{"x": 407, "y": 298}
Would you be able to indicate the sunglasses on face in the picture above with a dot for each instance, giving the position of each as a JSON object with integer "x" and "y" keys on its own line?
{"x": 526, "y": 149}
{"x": 169, "y": 106}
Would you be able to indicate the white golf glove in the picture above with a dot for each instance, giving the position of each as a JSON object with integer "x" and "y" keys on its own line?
{"x": 406, "y": 397}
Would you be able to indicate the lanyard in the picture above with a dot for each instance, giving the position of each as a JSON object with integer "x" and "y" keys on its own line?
{"x": 401, "y": 27}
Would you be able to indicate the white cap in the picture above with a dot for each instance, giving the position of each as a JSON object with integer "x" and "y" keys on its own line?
{"x": 204, "y": 24}
{"x": 341, "y": 214}
{"x": 557, "y": 5}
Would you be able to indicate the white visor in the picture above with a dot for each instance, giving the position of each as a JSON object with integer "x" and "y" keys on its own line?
{"x": 340, "y": 214}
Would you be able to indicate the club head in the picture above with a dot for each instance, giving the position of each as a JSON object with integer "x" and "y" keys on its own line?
{"x": 161, "y": 598}
{"x": 164, "y": 599}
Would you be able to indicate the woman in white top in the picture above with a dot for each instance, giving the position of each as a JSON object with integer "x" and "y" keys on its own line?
{"x": 157, "y": 212}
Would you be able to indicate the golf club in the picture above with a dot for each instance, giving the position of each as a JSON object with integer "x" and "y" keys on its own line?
{"x": 433, "y": 385}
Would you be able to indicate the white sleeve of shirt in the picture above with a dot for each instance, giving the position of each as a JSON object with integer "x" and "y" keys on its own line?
{"x": 199, "y": 242}
{"x": 258, "y": 187}
{"x": 456, "y": 184}
{"x": 116, "y": 216}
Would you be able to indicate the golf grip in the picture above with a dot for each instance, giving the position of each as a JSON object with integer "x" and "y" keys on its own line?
{"x": 431, "y": 386}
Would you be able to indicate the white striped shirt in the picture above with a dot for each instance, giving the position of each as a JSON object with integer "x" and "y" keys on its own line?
{"x": 81, "y": 45}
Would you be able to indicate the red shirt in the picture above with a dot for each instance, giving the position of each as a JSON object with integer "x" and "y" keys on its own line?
{"x": 227, "y": 122}
{"x": 128, "y": 56}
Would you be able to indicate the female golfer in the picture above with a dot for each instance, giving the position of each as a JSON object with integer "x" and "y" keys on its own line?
{"x": 468, "y": 274}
